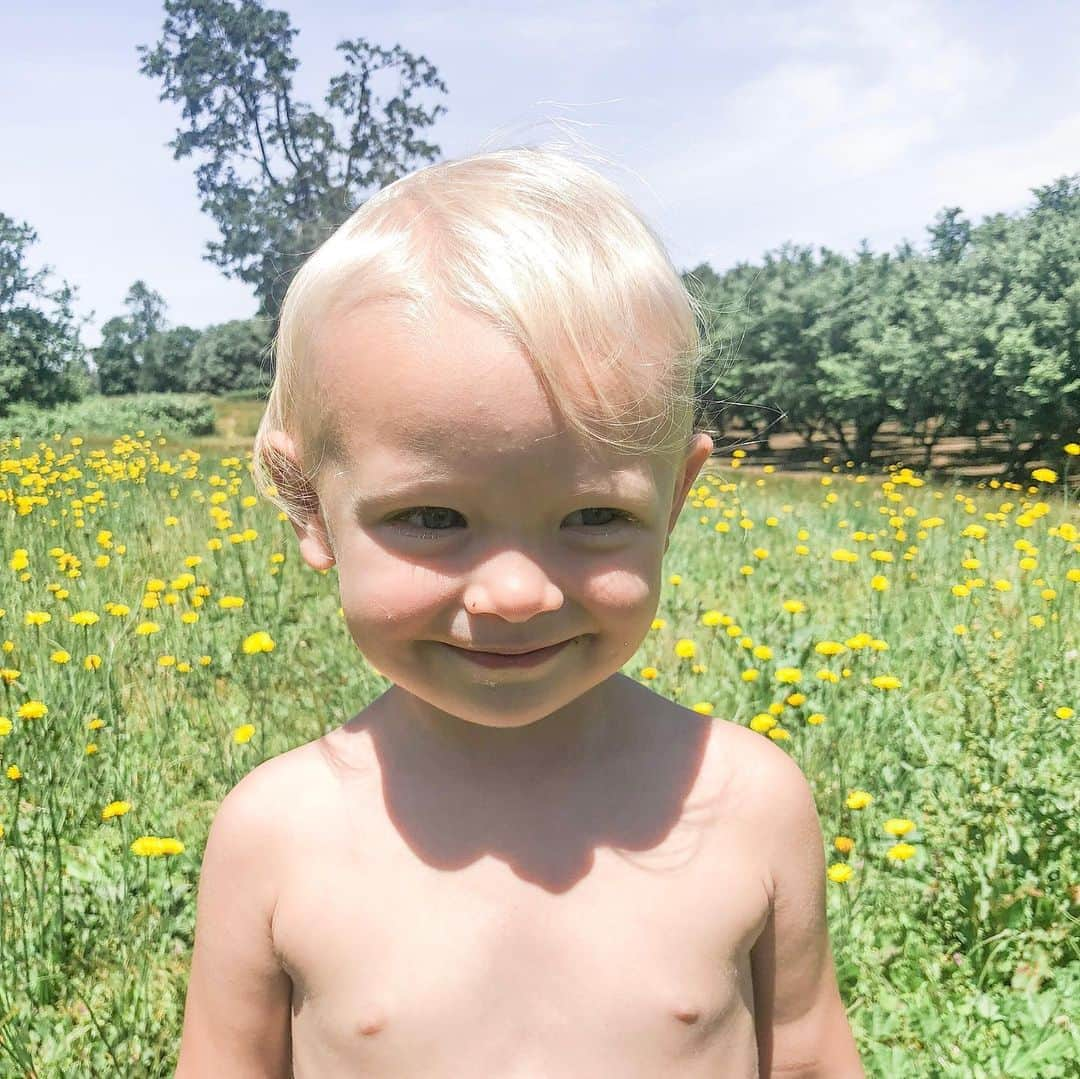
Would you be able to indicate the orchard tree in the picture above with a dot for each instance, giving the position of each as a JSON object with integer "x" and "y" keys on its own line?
{"x": 42, "y": 360}
{"x": 276, "y": 175}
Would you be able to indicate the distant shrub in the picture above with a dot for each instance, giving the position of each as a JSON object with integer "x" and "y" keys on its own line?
{"x": 173, "y": 413}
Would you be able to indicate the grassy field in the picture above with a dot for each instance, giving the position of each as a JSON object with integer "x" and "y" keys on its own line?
{"x": 913, "y": 647}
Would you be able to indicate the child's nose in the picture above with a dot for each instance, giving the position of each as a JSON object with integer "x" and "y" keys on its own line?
{"x": 512, "y": 585}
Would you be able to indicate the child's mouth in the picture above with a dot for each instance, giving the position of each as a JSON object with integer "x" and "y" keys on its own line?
{"x": 522, "y": 659}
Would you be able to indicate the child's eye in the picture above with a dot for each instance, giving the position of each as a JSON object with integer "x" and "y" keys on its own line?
{"x": 434, "y": 519}
{"x": 615, "y": 516}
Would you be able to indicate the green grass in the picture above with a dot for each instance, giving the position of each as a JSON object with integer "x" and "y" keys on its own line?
{"x": 960, "y": 961}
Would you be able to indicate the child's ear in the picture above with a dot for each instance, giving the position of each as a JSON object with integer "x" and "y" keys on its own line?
{"x": 696, "y": 456}
{"x": 283, "y": 463}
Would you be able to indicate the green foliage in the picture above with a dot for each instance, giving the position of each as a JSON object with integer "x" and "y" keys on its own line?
{"x": 981, "y": 334}
{"x": 177, "y": 414}
{"x": 277, "y": 176}
{"x": 232, "y": 356}
{"x": 167, "y": 359}
{"x": 126, "y": 361}
{"x": 42, "y": 360}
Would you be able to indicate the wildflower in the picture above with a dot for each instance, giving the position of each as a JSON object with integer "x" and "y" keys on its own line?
{"x": 751, "y": 674}
{"x": 60, "y": 656}
{"x": 675, "y": 579}
{"x": 145, "y": 629}
{"x": 901, "y": 852}
{"x": 14, "y": 772}
{"x": 794, "y": 606}
{"x": 166, "y": 661}
{"x": 1064, "y": 712}
{"x": 19, "y": 559}
{"x": 84, "y": 618}
{"x": 658, "y": 623}
{"x": 1002, "y": 585}
{"x": 32, "y": 710}
{"x": 189, "y": 618}
{"x": 879, "y": 583}
{"x": 960, "y": 629}
{"x": 649, "y": 673}
{"x": 36, "y": 618}
{"x": 115, "y": 809}
{"x": 1072, "y": 448}
{"x": 885, "y": 681}
{"x": 711, "y": 618}
{"x": 243, "y": 733}
{"x": 230, "y": 603}
{"x": 842, "y": 555}
{"x": 91, "y": 748}
{"x": 788, "y": 675}
{"x": 1073, "y": 575}
{"x": 828, "y": 676}
{"x": 118, "y": 610}
{"x": 6, "y": 726}
{"x": 796, "y": 699}
{"x": 1045, "y": 475}
{"x": 685, "y": 648}
{"x": 898, "y": 826}
{"x": 151, "y": 846}
{"x": 815, "y": 719}
{"x": 829, "y": 648}
{"x": 840, "y": 872}
{"x": 881, "y": 556}
{"x": 762, "y": 722}
{"x": 260, "y": 641}
{"x": 778, "y": 734}
{"x": 704, "y": 707}
{"x": 858, "y": 799}
{"x": 763, "y": 651}
{"x": 95, "y": 724}
{"x": 9, "y": 675}
{"x": 205, "y": 661}
{"x": 844, "y": 844}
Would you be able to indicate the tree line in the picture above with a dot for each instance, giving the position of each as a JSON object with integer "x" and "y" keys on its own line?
{"x": 978, "y": 334}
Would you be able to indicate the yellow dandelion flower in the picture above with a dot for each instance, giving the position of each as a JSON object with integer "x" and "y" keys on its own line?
{"x": 91, "y": 748}
{"x": 243, "y": 733}
{"x": 1002, "y": 585}
{"x": 685, "y": 648}
{"x": 260, "y": 641}
{"x": 1045, "y": 475}
{"x": 960, "y": 629}
{"x": 32, "y": 710}
{"x": 9, "y": 675}
{"x": 828, "y": 676}
{"x": 14, "y": 772}
{"x": 843, "y": 555}
{"x": 1073, "y": 575}
{"x": 762, "y": 722}
{"x": 145, "y": 629}
{"x": 794, "y": 606}
{"x": 231, "y": 603}
{"x": 60, "y": 656}
{"x": 19, "y": 559}
{"x": 901, "y": 852}
{"x": 879, "y": 583}
{"x": 778, "y": 734}
{"x": 704, "y": 707}
{"x": 1064, "y": 712}
{"x": 115, "y": 809}
{"x": 885, "y": 681}
{"x": 751, "y": 674}
{"x": 36, "y": 618}
{"x": 6, "y": 726}
{"x": 205, "y": 661}
{"x": 711, "y": 618}
{"x": 166, "y": 661}
{"x": 858, "y": 799}
{"x": 189, "y": 618}
{"x": 118, "y": 610}
{"x": 788, "y": 675}
{"x": 84, "y": 618}
{"x": 795, "y": 699}
{"x": 829, "y": 648}
{"x": 658, "y": 623}
{"x": 95, "y": 724}
{"x": 844, "y": 844}
{"x": 898, "y": 826}
{"x": 763, "y": 651}
{"x": 649, "y": 673}
{"x": 839, "y": 872}
{"x": 815, "y": 719}
{"x": 675, "y": 579}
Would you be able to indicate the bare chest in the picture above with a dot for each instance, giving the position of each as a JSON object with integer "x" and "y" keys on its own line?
{"x": 536, "y": 959}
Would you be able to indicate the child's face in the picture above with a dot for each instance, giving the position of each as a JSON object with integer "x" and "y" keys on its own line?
{"x": 468, "y": 516}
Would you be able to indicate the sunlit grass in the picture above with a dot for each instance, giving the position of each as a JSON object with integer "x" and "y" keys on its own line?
{"x": 914, "y": 648}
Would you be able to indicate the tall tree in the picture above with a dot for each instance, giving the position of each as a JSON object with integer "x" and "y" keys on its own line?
{"x": 42, "y": 360}
{"x": 276, "y": 175}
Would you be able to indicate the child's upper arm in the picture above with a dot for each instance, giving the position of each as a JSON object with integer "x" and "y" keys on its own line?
{"x": 802, "y": 1028}
{"x": 236, "y": 1019}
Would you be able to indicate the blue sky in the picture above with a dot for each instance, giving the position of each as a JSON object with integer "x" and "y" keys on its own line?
{"x": 733, "y": 130}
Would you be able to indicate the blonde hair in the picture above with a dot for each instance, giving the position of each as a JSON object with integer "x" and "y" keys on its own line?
{"x": 549, "y": 251}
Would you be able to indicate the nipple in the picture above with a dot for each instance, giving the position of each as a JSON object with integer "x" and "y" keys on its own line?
{"x": 371, "y": 1025}
{"x": 689, "y": 1016}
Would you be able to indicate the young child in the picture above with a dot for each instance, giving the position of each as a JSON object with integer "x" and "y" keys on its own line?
{"x": 517, "y": 861}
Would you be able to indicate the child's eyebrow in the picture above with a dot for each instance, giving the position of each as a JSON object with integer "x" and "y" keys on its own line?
{"x": 625, "y": 485}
